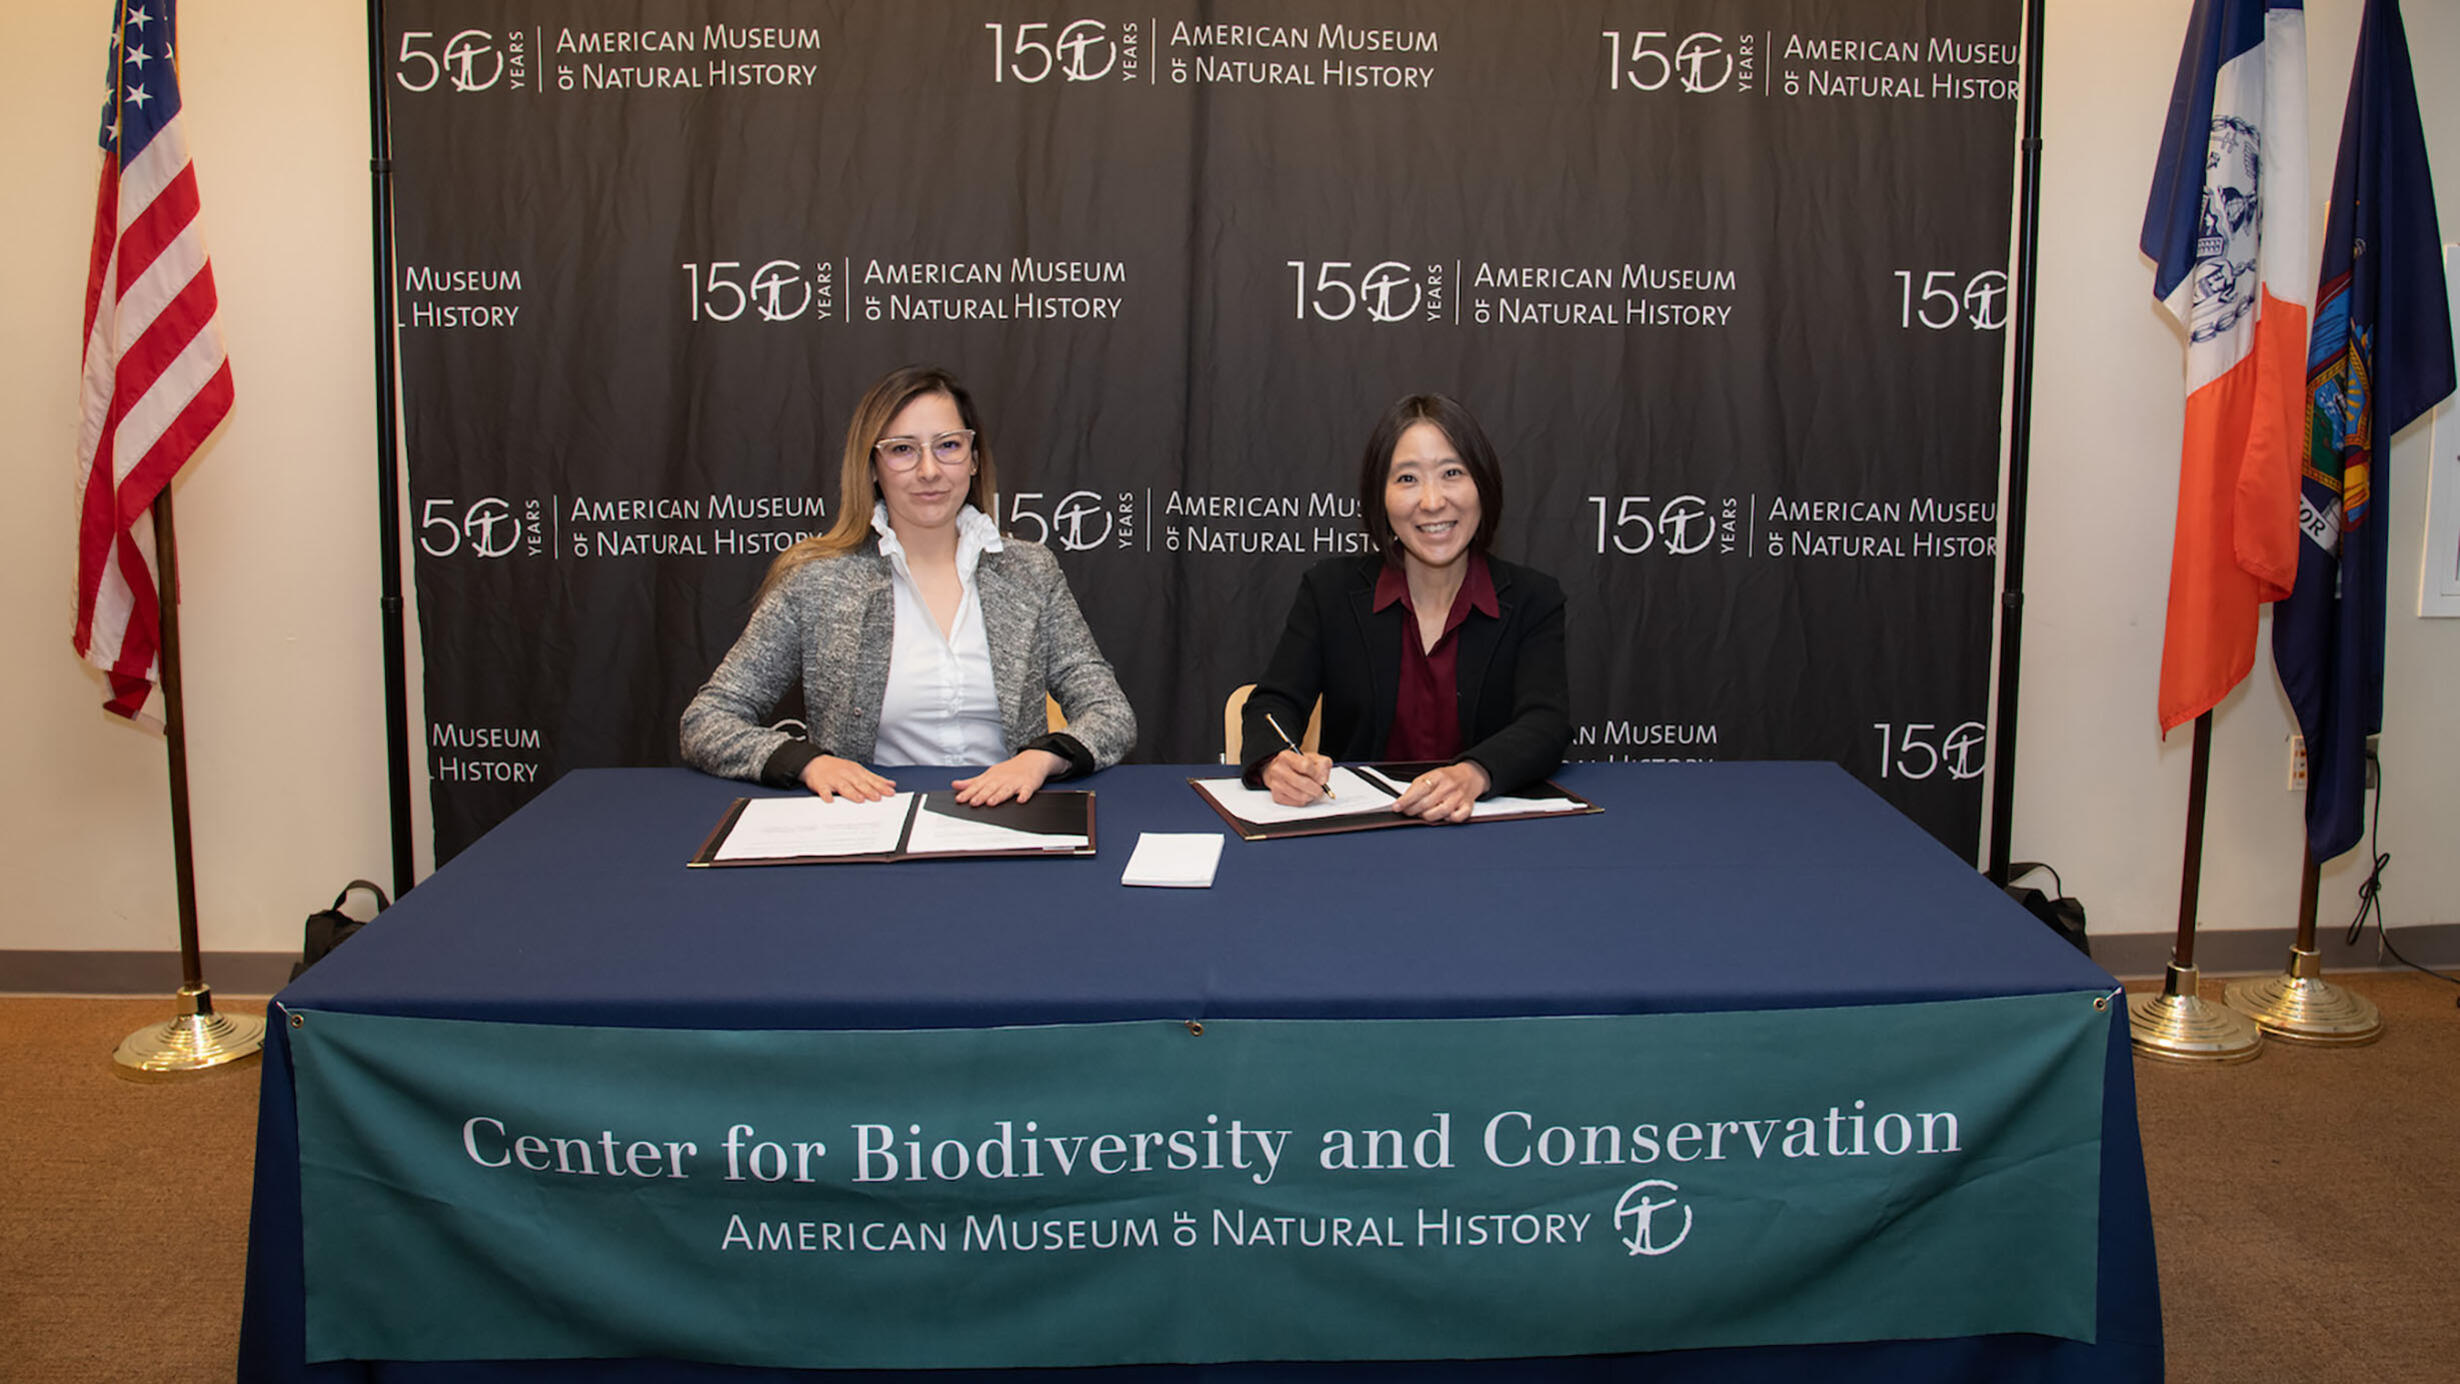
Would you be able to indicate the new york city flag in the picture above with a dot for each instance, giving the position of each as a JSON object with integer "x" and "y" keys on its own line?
{"x": 2381, "y": 356}
{"x": 2226, "y": 229}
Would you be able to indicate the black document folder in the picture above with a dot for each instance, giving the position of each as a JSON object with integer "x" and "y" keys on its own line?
{"x": 803, "y": 830}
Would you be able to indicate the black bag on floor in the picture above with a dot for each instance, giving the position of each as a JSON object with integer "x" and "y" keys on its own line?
{"x": 333, "y": 927}
{"x": 2064, "y": 915}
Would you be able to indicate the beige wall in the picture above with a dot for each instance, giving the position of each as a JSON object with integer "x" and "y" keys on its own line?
{"x": 277, "y": 521}
{"x": 2097, "y": 792}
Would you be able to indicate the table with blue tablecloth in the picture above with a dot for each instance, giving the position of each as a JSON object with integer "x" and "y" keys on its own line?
{"x": 1717, "y": 923}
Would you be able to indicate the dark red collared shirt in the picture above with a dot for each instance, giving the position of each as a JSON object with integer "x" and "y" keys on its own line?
{"x": 1426, "y": 721}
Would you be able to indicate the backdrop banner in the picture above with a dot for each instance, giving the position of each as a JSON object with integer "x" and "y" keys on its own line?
{"x": 1095, "y": 1194}
{"x": 1725, "y": 280}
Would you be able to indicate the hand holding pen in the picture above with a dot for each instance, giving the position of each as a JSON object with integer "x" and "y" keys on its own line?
{"x": 1296, "y": 777}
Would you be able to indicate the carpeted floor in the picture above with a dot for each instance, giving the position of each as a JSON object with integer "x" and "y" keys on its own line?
{"x": 125, "y": 1231}
{"x": 2306, "y": 1204}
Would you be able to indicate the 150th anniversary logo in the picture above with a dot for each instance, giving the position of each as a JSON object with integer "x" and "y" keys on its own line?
{"x": 465, "y": 60}
{"x": 1680, "y": 61}
{"x": 587, "y": 526}
{"x": 1068, "y": 50}
{"x": 1604, "y": 292}
{"x": 1079, "y": 520}
{"x": 1074, "y": 49}
{"x": 1699, "y": 63}
{"x": 1681, "y": 525}
{"x": 858, "y": 289}
{"x": 472, "y": 61}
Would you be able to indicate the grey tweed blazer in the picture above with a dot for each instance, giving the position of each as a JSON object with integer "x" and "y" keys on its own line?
{"x": 832, "y": 624}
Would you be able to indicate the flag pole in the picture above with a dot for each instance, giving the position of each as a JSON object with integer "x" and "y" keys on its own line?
{"x": 2177, "y": 1023}
{"x": 2381, "y": 359}
{"x": 2019, "y": 459}
{"x": 195, "y": 1037}
{"x": 388, "y": 478}
{"x": 2299, "y": 1004}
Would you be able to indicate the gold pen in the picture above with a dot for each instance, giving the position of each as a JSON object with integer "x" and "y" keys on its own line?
{"x": 1294, "y": 749}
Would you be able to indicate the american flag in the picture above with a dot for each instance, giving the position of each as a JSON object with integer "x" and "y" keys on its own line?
{"x": 157, "y": 381}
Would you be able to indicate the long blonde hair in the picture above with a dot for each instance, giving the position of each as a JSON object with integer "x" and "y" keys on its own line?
{"x": 857, "y": 486}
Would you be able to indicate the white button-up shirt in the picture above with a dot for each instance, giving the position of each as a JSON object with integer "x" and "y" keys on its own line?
{"x": 942, "y": 706}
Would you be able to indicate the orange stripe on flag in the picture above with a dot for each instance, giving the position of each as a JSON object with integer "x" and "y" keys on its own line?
{"x": 2237, "y": 541}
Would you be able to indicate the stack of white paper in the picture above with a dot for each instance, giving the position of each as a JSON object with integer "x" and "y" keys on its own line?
{"x": 1174, "y": 859}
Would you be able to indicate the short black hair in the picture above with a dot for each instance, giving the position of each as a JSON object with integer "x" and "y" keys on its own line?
{"x": 1467, "y": 439}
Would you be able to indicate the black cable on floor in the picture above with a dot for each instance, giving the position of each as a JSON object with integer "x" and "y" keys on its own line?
{"x": 2370, "y": 893}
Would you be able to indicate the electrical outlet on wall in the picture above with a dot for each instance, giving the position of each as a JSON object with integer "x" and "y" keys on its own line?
{"x": 2297, "y": 762}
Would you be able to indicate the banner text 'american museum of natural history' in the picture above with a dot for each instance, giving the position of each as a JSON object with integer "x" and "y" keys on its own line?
{"x": 1726, "y": 282}
{"x": 1265, "y": 1189}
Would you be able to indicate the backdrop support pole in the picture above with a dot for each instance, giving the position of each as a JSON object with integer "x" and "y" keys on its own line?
{"x": 196, "y": 1037}
{"x": 2019, "y": 456}
{"x": 2177, "y": 1023}
{"x": 2299, "y": 1004}
{"x": 388, "y": 480}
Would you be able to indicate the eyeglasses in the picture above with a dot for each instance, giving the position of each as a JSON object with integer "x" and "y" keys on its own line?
{"x": 948, "y": 449}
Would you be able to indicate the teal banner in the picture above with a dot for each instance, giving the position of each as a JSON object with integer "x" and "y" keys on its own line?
{"x": 1165, "y": 1192}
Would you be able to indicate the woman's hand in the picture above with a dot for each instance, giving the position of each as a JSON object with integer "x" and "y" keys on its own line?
{"x": 833, "y": 778}
{"x": 1015, "y": 777}
{"x": 1445, "y": 794}
{"x": 1297, "y": 779}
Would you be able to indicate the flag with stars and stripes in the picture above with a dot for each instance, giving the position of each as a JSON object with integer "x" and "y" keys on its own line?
{"x": 157, "y": 381}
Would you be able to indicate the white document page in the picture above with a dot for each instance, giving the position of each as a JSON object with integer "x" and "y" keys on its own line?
{"x": 783, "y": 828}
{"x": 938, "y": 834}
{"x": 1352, "y": 795}
{"x": 1175, "y": 859}
{"x": 1506, "y": 807}
{"x": 1488, "y": 807}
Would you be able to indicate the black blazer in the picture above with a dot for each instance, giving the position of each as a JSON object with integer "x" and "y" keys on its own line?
{"x": 1512, "y": 684}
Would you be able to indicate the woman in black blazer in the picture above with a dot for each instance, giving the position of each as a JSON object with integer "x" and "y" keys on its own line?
{"x": 1427, "y": 649}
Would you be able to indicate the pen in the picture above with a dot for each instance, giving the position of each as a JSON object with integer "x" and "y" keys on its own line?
{"x": 1286, "y": 740}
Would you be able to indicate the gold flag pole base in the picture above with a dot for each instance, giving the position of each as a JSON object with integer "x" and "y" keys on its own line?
{"x": 195, "y": 1040}
{"x": 2303, "y": 1007}
{"x": 2179, "y": 1026}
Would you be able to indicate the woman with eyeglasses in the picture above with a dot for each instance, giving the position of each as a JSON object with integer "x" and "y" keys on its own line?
{"x": 1426, "y": 650}
{"x": 920, "y": 634}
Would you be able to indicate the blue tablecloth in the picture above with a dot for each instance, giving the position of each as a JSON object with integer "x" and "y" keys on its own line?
{"x": 1701, "y": 887}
